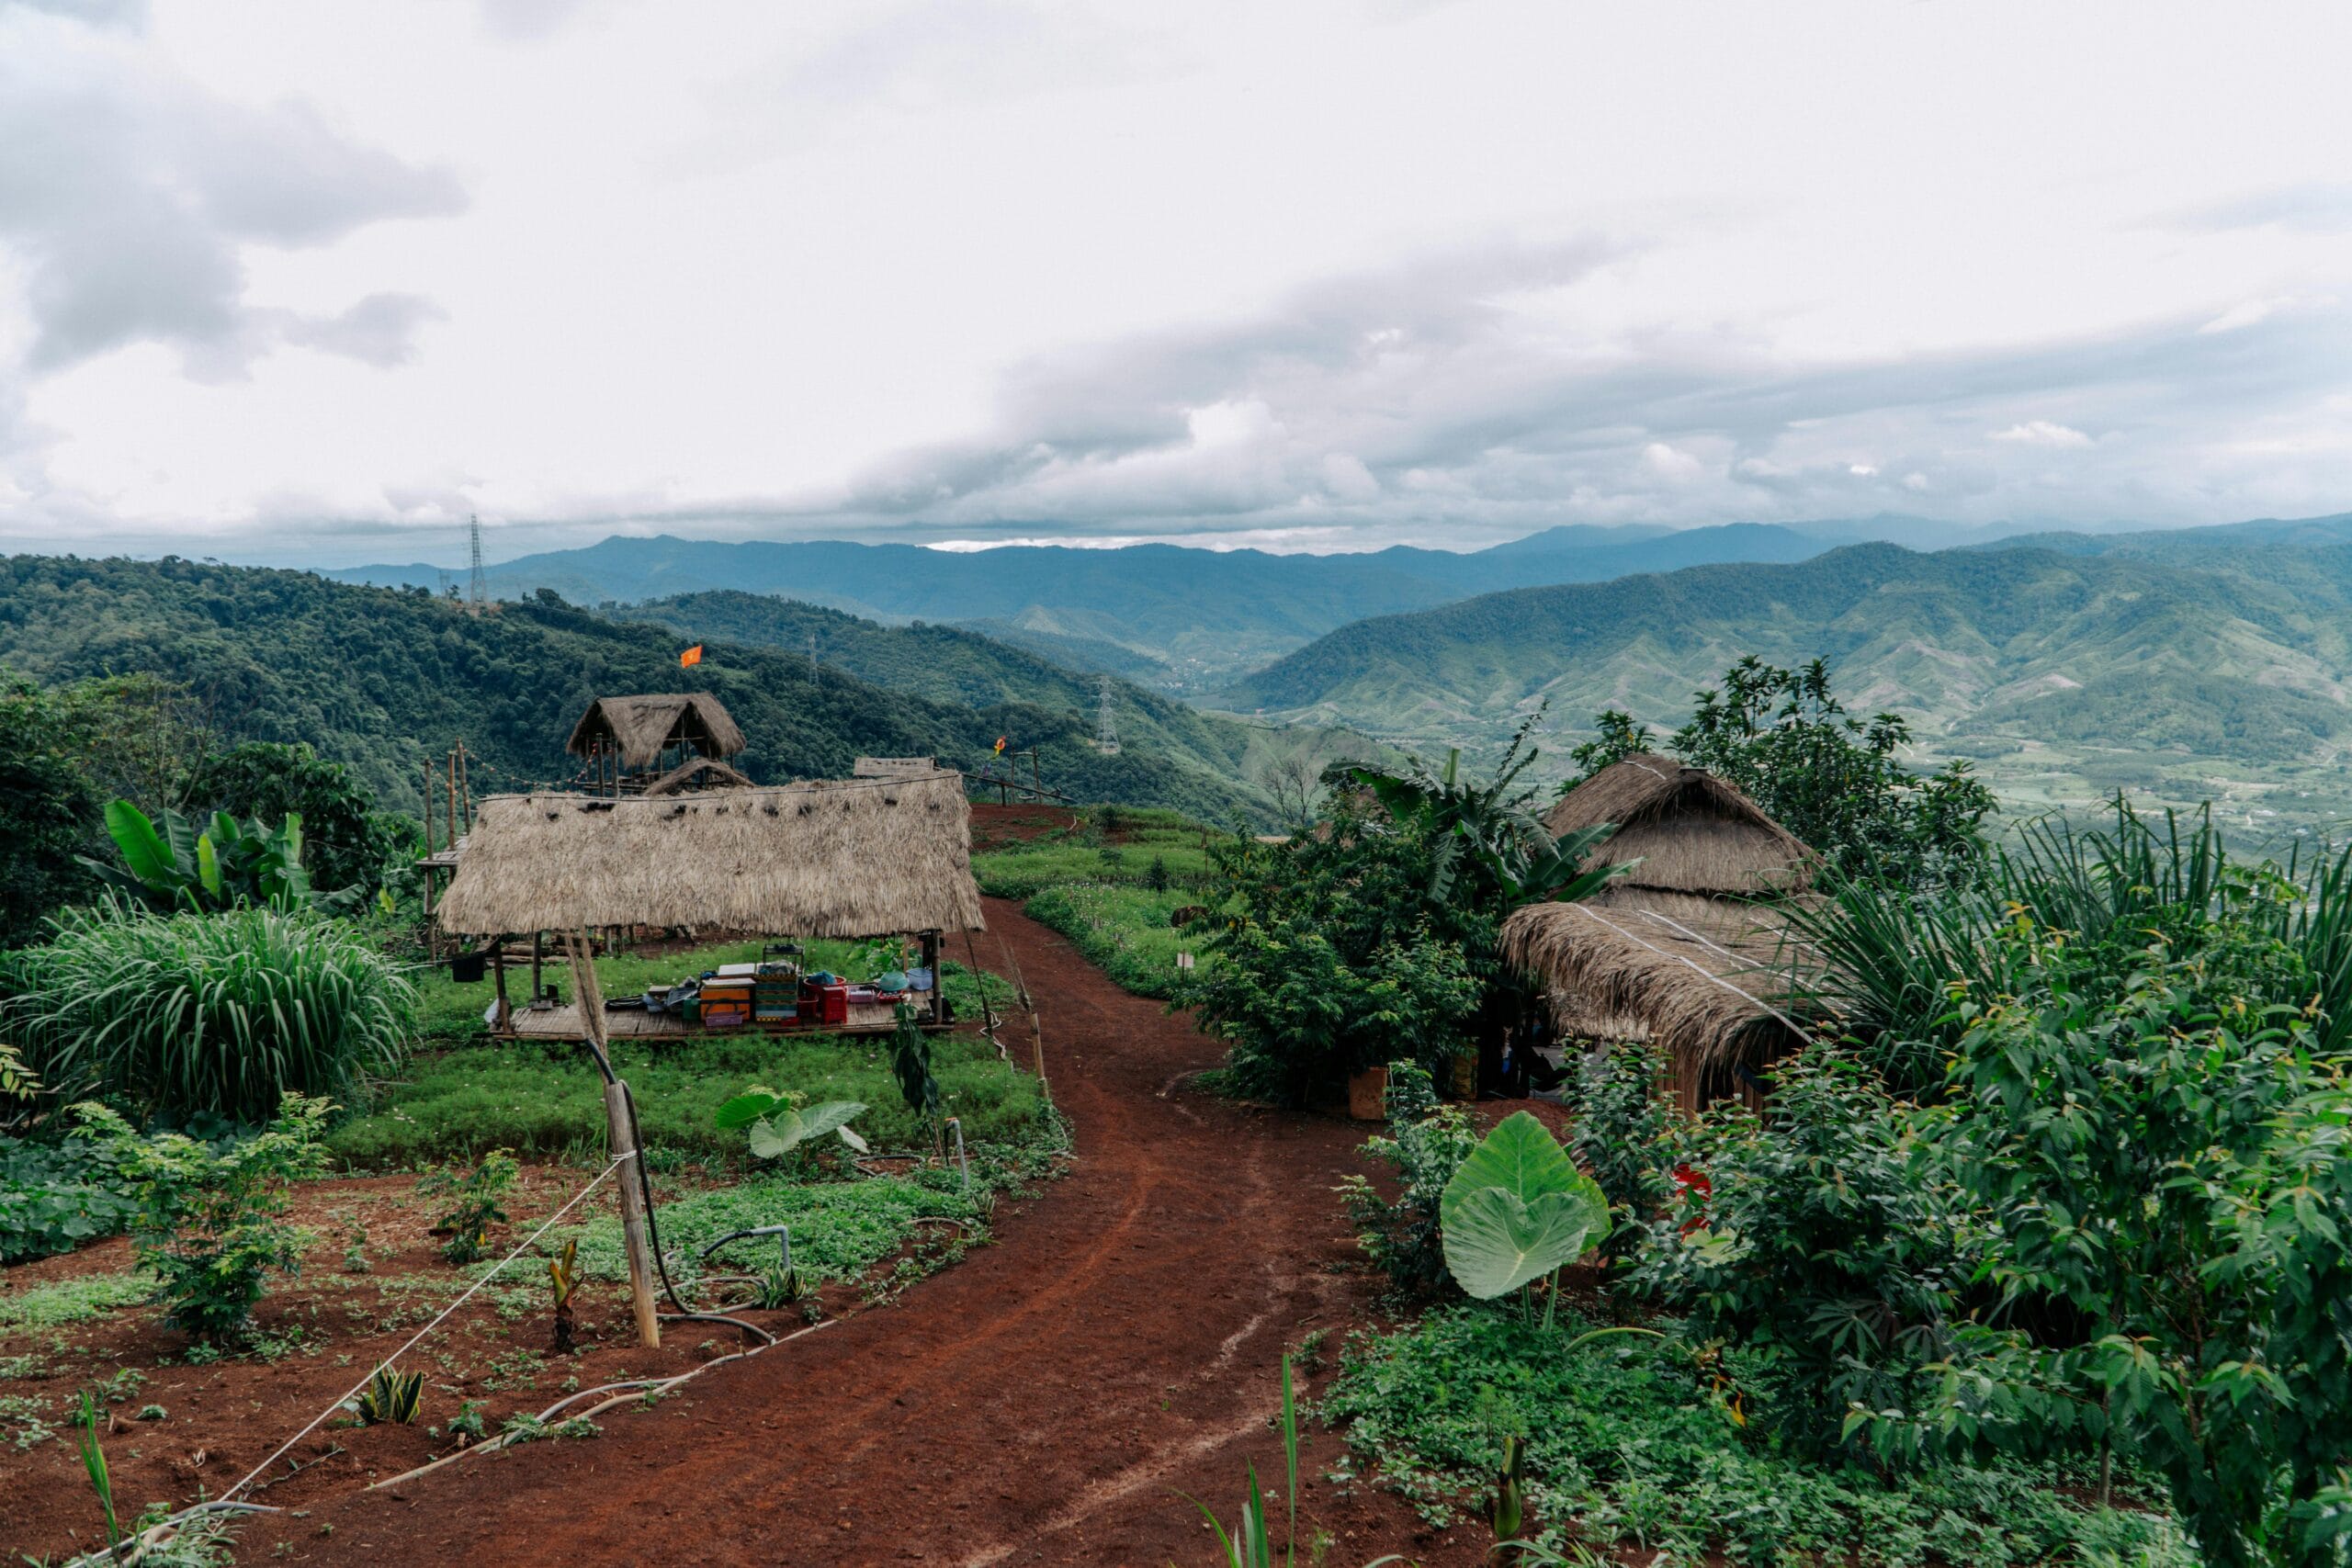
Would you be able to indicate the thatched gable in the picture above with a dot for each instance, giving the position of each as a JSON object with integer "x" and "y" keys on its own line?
{"x": 869, "y": 858}
{"x": 697, "y": 773}
{"x": 1706, "y": 980}
{"x": 641, "y": 728}
{"x": 1692, "y": 831}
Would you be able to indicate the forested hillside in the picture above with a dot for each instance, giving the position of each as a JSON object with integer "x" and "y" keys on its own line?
{"x": 382, "y": 678}
{"x": 956, "y": 665}
{"x": 2065, "y": 674}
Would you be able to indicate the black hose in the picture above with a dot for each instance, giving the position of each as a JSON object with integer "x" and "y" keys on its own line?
{"x": 653, "y": 1230}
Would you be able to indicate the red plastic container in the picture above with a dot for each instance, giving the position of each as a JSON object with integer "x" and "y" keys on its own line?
{"x": 832, "y": 1004}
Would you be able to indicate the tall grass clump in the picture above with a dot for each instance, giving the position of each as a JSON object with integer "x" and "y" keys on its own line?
{"x": 225, "y": 1013}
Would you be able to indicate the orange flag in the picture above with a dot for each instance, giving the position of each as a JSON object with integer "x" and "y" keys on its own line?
{"x": 691, "y": 656}
{"x": 999, "y": 746}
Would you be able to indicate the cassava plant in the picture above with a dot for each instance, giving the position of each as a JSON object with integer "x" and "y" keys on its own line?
{"x": 1426, "y": 1144}
{"x": 475, "y": 1203}
{"x": 211, "y": 1222}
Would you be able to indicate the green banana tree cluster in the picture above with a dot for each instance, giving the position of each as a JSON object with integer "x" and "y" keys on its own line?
{"x": 176, "y": 864}
{"x": 1491, "y": 825}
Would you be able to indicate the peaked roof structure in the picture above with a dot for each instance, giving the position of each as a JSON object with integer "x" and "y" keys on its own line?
{"x": 641, "y": 728}
{"x": 1692, "y": 831}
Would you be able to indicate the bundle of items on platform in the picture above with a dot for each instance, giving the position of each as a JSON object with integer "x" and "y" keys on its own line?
{"x": 776, "y": 992}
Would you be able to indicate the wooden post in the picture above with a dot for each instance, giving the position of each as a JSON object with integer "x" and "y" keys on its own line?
{"x": 588, "y": 997}
{"x": 537, "y": 988}
{"x": 465, "y": 787}
{"x": 504, "y": 1015}
{"x": 938, "y": 987}
{"x": 452, "y": 801}
{"x": 428, "y": 810}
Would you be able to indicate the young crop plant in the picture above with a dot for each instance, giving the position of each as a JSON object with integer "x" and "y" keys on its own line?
{"x": 1517, "y": 1209}
{"x": 475, "y": 1203}
{"x": 391, "y": 1397}
{"x": 563, "y": 1280}
{"x": 779, "y": 1124}
{"x": 212, "y": 1222}
{"x": 1427, "y": 1143}
{"x": 1619, "y": 1136}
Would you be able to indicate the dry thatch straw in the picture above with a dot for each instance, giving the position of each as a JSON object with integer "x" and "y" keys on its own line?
{"x": 870, "y": 858}
{"x": 1709, "y": 981}
{"x": 639, "y": 727}
{"x": 698, "y": 773}
{"x": 1690, "y": 832}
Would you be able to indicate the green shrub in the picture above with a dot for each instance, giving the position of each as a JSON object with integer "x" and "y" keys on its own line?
{"x": 53, "y": 1197}
{"x": 1620, "y": 1137}
{"x": 474, "y": 1202}
{"x": 1824, "y": 1250}
{"x": 212, "y": 1222}
{"x": 222, "y": 1013}
{"x": 1627, "y": 1440}
{"x": 1427, "y": 1143}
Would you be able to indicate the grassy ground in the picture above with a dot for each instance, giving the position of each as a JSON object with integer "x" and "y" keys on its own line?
{"x": 1122, "y": 930}
{"x": 1112, "y": 845}
{"x": 1627, "y": 1441}
{"x": 548, "y": 1099}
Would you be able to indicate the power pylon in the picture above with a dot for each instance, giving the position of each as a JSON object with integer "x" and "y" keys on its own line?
{"x": 1106, "y": 728}
{"x": 478, "y": 596}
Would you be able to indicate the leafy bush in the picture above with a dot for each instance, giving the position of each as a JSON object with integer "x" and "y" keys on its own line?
{"x": 1427, "y": 1143}
{"x": 53, "y": 1197}
{"x": 222, "y": 1013}
{"x": 212, "y": 1222}
{"x": 474, "y": 1202}
{"x": 1625, "y": 1442}
{"x": 1620, "y": 1137}
{"x": 2159, "y": 1165}
{"x": 347, "y": 844}
{"x": 1822, "y": 1249}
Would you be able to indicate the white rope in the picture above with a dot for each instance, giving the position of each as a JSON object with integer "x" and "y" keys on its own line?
{"x": 428, "y": 1328}
{"x": 1701, "y": 971}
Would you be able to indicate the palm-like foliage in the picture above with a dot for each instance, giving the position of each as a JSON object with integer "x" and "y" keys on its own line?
{"x": 172, "y": 863}
{"x": 1491, "y": 824}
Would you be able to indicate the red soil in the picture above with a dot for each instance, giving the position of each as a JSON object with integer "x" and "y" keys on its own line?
{"x": 1000, "y": 826}
{"x": 1041, "y": 1401}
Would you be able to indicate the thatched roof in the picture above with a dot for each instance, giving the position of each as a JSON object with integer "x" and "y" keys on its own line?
{"x": 868, "y": 858}
{"x": 639, "y": 727}
{"x": 698, "y": 773}
{"x": 1692, "y": 831}
{"x": 1705, "y": 979}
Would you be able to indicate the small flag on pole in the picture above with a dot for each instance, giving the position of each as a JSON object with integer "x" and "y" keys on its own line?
{"x": 691, "y": 656}
{"x": 999, "y": 746}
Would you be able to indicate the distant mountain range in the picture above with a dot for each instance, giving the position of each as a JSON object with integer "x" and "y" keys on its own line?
{"x": 1179, "y": 618}
{"x": 2213, "y": 662}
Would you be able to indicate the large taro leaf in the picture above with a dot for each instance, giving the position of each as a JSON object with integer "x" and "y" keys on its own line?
{"x": 1517, "y": 1208}
{"x": 779, "y": 1134}
{"x": 746, "y": 1108}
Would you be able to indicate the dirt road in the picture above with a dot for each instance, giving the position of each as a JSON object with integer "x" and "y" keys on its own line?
{"x": 1040, "y": 1401}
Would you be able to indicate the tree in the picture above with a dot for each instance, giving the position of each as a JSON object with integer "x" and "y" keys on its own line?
{"x": 347, "y": 843}
{"x": 49, "y": 813}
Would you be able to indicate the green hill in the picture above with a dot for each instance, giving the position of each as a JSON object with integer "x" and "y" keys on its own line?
{"x": 2065, "y": 674}
{"x": 382, "y": 679}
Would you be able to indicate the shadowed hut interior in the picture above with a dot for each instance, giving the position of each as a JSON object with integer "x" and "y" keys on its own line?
{"x": 626, "y": 743}
{"x": 1689, "y": 950}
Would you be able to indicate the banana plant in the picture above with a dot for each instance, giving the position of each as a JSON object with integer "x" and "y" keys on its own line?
{"x": 171, "y": 862}
{"x": 778, "y": 1126}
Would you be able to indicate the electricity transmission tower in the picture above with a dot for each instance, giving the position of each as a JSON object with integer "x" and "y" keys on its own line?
{"x": 477, "y": 596}
{"x": 1106, "y": 729}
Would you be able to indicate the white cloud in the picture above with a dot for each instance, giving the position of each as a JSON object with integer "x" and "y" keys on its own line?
{"x": 2043, "y": 432}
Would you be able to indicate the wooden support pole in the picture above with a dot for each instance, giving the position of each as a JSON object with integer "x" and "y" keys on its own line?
{"x": 620, "y": 1134}
{"x": 504, "y": 1017}
{"x": 452, "y": 797}
{"x": 537, "y": 987}
{"x": 465, "y": 789}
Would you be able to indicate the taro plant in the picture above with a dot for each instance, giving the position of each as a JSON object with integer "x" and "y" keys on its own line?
{"x": 779, "y": 1123}
{"x": 474, "y": 1202}
{"x": 390, "y": 1398}
{"x": 211, "y": 1222}
{"x": 1518, "y": 1210}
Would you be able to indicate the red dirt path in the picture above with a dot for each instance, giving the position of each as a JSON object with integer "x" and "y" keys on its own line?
{"x": 1040, "y": 1401}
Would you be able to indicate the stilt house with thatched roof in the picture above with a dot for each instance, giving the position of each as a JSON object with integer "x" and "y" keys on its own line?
{"x": 1690, "y": 951}
{"x": 626, "y": 744}
{"x": 852, "y": 859}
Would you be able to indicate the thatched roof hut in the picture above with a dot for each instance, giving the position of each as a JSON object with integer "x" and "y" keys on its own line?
{"x": 640, "y": 729}
{"x": 697, "y": 773}
{"x": 1692, "y": 831}
{"x": 852, "y": 859}
{"x": 1691, "y": 949}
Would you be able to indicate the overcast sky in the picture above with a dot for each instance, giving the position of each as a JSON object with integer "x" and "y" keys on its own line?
{"x": 310, "y": 282}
